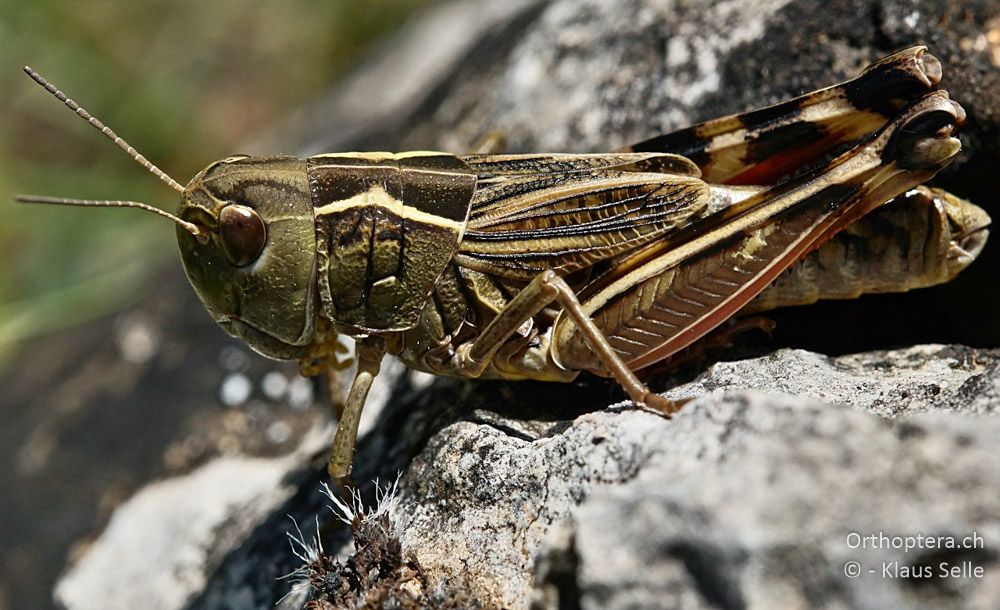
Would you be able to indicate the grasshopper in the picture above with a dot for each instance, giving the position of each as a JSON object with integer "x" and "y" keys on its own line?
{"x": 540, "y": 266}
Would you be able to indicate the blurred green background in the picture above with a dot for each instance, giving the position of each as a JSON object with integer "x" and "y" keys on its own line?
{"x": 186, "y": 83}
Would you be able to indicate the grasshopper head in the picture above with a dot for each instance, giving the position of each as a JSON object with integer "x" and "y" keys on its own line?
{"x": 245, "y": 231}
{"x": 253, "y": 259}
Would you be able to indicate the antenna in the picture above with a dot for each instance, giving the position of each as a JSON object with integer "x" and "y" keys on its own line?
{"x": 190, "y": 227}
{"x": 159, "y": 173}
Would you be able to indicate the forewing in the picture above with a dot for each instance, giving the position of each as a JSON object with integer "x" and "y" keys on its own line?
{"x": 489, "y": 167}
{"x": 524, "y": 223}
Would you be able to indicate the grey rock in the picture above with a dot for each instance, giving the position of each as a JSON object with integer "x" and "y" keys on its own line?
{"x": 902, "y": 382}
{"x": 517, "y": 495}
{"x": 761, "y": 501}
{"x": 198, "y": 517}
{"x": 743, "y": 499}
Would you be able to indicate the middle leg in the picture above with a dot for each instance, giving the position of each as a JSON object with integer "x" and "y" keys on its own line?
{"x": 546, "y": 288}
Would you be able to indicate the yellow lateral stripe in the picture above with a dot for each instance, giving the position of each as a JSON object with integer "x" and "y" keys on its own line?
{"x": 378, "y": 196}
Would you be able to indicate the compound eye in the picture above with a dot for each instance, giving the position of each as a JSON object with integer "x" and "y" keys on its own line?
{"x": 243, "y": 234}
